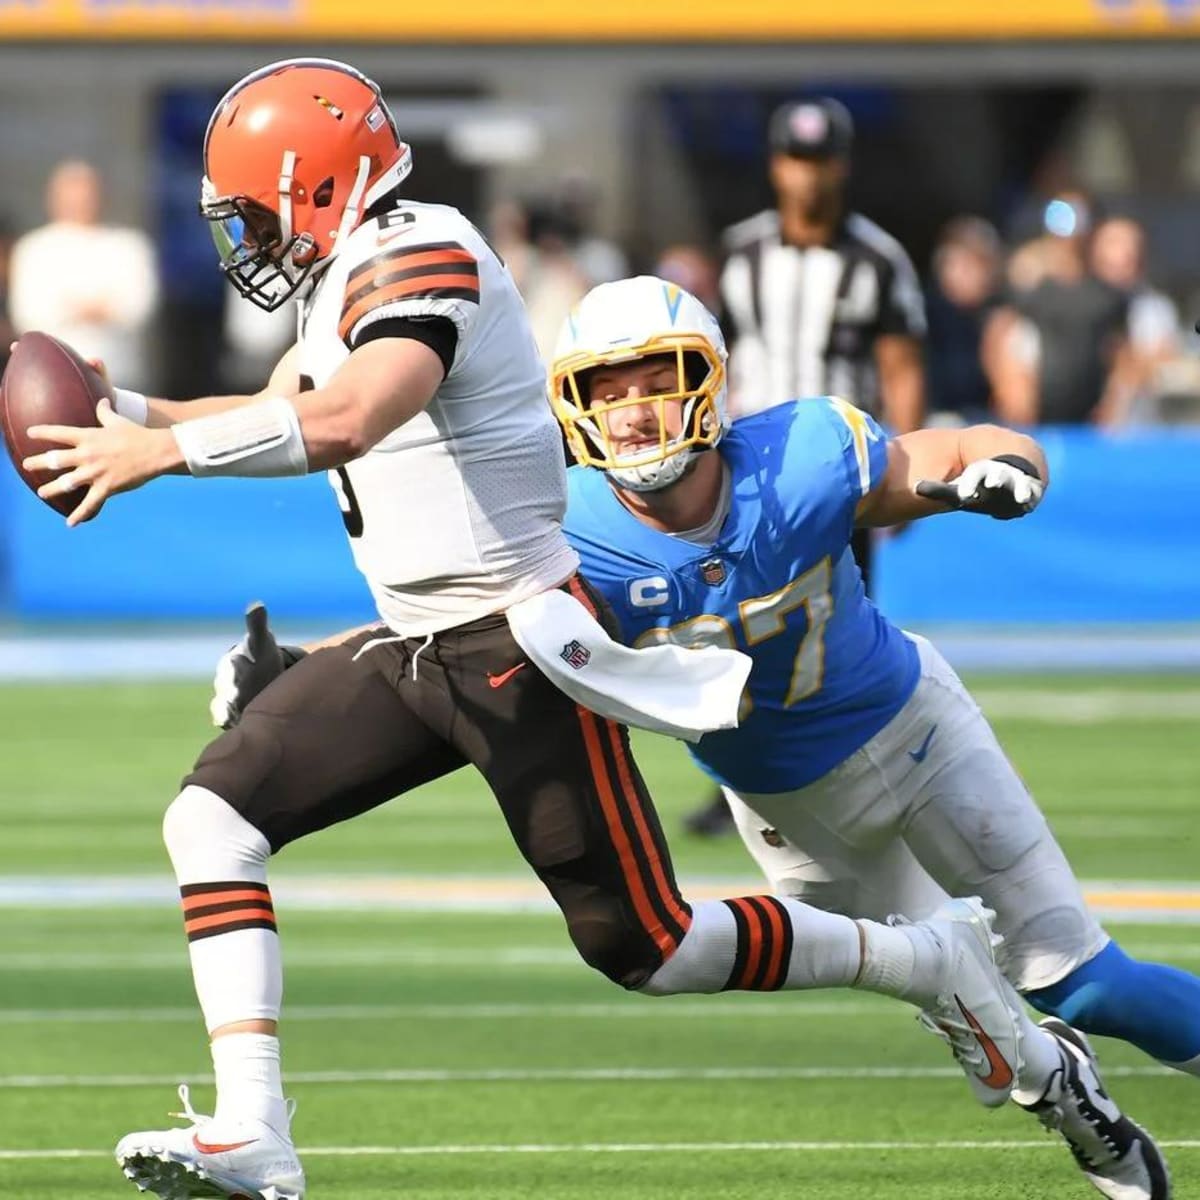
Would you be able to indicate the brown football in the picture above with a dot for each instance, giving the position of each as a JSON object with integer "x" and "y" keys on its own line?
{"x": 46, "y": 383}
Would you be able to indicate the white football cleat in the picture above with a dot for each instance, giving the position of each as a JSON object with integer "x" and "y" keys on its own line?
{"x": 972, "y": 1012}
{"x": 237, "y": 1160}
{"x": 1119, "y": 1158}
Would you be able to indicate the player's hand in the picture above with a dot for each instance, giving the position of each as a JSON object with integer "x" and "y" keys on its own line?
{"x": 114, "y": 456}
{"x": 1003, "y": 487}
{"x": 245, "y": 669}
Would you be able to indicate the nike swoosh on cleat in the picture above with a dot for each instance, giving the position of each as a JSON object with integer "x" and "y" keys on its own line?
{"x": 500, "y": 680}
{"x": 1001, "y": 1074}
{"x": 918, "y": 755}
{"x": 220, "y": 1147}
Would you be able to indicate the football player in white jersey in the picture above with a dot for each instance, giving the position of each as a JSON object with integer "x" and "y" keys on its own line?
{"x": 416, "y": 382}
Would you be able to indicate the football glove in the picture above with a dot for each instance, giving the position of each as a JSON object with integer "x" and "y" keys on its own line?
{"x": 1003, "y": 487}
{"x": 245, "y": 669}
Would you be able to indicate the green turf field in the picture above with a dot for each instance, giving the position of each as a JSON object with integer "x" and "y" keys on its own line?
{"x": 454, "y": 1054}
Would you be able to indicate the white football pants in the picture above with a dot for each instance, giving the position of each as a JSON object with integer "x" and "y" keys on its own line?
{"x": 929, "y": 807}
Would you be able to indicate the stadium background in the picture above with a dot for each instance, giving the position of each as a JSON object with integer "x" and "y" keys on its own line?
{"x": 443, "y": 1040}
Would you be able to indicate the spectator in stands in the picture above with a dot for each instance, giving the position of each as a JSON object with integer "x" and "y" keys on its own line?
{"x": 960, "y": 300}
{"x": 1065, "y": 357}
{"x": 93, "y": 285}
{"x": 1118, "y": 258}
{"x": 554, "y": 282}
{"x": 695, "y": 270}
{"x": 599, "y": 258}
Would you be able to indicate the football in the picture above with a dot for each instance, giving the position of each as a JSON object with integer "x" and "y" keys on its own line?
{"x": 46, "y": 383}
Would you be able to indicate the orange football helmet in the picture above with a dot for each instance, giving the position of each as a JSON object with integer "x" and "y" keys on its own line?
{"x": 294, "y": 154}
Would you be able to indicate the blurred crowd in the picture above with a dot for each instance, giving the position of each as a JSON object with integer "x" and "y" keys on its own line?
{"x": 1059, "y": 323}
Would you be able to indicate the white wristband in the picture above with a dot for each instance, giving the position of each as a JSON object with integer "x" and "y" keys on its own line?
{"x": 133, "y": 406}
{"x": 257, "y": 440}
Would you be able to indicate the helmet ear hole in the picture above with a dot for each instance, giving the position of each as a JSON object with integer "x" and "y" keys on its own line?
{"x": 323, "y": 196}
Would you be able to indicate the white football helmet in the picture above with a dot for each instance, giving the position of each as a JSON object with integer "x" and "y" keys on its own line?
{"x": 624, "y": 321}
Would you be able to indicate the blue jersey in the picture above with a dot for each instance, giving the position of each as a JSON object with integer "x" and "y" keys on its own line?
{"x": 779, "y": 583}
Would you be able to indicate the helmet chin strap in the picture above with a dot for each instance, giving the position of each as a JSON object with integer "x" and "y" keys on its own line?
{"x": 652, "y": 477}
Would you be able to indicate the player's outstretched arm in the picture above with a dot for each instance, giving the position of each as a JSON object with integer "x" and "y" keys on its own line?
{"x": 982, "y": 468}
{"x": 381, "y": 385}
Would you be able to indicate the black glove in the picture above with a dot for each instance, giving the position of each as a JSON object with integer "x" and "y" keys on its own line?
{"x": 245, "y": 669}
{"x": 1003, "y": 487}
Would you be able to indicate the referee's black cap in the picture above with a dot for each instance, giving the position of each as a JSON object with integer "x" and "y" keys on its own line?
{"x": 818, "y": 128}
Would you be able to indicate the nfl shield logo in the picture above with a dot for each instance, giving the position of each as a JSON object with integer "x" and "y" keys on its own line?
{"x": 712, "y": 571}
{"x": 575, "y": 654}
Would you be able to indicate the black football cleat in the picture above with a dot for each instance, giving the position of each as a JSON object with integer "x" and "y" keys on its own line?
{"x": 1119, "y": 1158}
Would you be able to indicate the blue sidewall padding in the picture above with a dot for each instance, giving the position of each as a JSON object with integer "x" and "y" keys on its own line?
{"x": 1117, "y": 540}
{"x": 182, "y": 548}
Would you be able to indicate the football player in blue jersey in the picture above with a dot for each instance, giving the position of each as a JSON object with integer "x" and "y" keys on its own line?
{"x": 862, "y": 775}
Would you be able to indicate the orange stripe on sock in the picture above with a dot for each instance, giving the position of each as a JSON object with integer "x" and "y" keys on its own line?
{"x": 202, "y": 899}
{"x": 195, "y": 924}
{"x": 754, "y": 938}
{"x": 771, "y": 980}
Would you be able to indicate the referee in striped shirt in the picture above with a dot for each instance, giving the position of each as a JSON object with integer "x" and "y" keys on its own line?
{"x": 818, "y": 301}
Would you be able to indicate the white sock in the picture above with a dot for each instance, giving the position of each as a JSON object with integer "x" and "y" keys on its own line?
{"x": 220, "y": 860}
{"x": 248, "y": 1079}
{"x": 759, "y": 943}
{"x": 905, "y": 961}
{"x": 1040, "y": 1055}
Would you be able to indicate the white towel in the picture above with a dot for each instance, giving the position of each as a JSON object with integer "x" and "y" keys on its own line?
{"x": 663, "y": 688}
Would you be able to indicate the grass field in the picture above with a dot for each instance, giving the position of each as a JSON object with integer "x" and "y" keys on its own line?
{"x": 439, "y": 1054}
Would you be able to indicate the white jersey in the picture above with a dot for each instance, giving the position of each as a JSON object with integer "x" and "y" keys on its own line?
{"x": 458, "y": 513}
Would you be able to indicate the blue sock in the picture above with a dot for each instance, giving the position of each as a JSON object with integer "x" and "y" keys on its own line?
{"x": 1155, "y": 1007}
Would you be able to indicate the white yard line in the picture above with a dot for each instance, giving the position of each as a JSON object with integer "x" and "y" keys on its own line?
{"x": 645, "y": 1009}
{"x": 624, "y": 1148}
{"x": 1147, "y": 902}
{"x": 1088, "y": 706}
{"x": 540, "y": 1075}
{"x": 516, "y": 958}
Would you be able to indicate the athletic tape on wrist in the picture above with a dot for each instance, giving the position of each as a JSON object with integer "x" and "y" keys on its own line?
{"x": 133, "y": 406}
{"x": 258, "y": 440}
